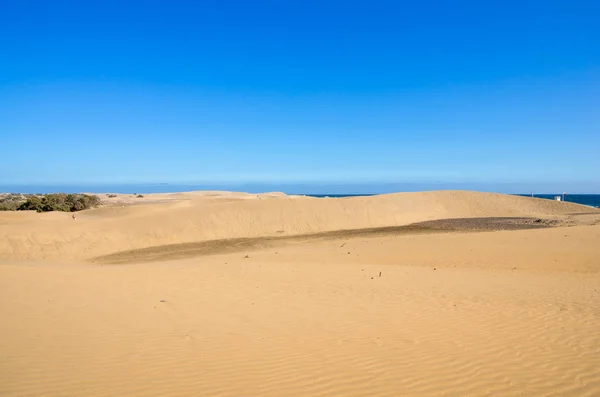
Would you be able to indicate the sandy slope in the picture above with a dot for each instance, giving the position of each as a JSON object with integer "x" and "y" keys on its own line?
{"x": 192, "y": 217}
{"x": 507, "y": 313}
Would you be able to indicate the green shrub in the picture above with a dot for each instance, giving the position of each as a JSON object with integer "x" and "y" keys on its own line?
{"x": 59, "y": 202}
{"x": 33, "y": 203}
{"x": 10, "y": 202}
{"x": 8, "y": 206}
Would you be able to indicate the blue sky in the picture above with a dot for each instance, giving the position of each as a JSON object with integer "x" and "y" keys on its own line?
{"x": 461, "y": 93}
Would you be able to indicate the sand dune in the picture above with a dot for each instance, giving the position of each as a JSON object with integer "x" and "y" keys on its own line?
{"x": 193, "y": 217}
{"x": 365, "y": 306}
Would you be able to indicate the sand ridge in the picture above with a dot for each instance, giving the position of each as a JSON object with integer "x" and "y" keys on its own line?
{"x": 194, "y": 217}
{"x": 212, "y": 247}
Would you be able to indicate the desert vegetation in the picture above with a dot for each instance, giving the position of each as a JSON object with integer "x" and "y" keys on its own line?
{"x": 48, "y": 202}
{"x": 11, "y": 201}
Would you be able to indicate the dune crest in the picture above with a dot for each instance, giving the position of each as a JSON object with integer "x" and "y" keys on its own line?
{"x": 202, "y": 216}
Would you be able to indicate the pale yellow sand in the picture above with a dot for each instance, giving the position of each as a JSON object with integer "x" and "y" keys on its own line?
{"x": 191, "y": 217}
{"x": 507, "y": 313}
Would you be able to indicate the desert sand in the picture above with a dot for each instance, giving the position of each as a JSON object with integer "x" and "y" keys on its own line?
{"x": 233, "y": 294}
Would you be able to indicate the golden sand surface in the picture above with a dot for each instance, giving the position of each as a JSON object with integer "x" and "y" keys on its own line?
{"x": 232, "y": 294}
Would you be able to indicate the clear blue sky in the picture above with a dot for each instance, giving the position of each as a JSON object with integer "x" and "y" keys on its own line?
{"x": 315, "y": 92}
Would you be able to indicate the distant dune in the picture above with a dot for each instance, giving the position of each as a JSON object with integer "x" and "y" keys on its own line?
{"x": 127, "y": 222}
